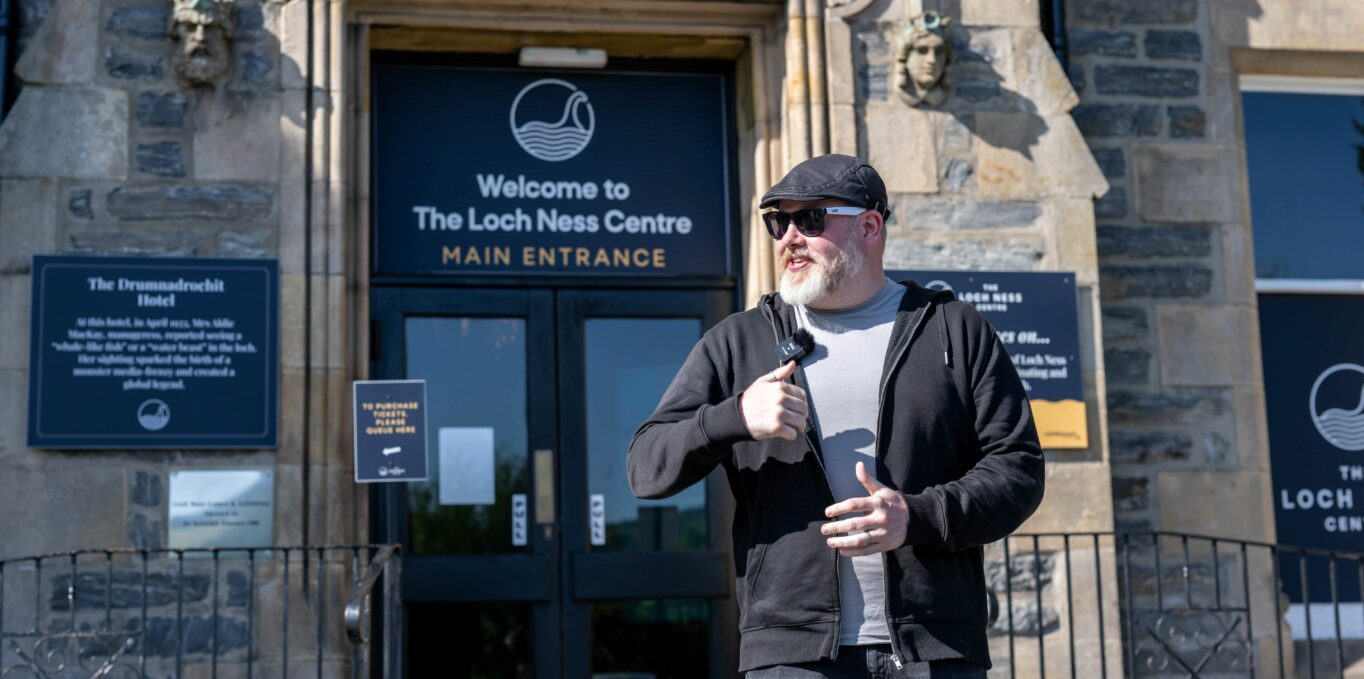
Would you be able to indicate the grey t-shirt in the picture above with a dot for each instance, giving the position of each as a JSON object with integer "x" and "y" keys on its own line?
{"x": 844, "y": 375}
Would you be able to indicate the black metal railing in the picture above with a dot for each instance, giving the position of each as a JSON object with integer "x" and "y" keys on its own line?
{"x": 1163, "y": 604}
{"x": 268, "y": 612}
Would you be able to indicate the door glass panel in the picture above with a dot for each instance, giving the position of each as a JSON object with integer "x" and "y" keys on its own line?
{"x": 469, "y": 641}
{"x": 475, "y": 372}
{"x": 629, "y": 364}
{"x": 652, "y": 639}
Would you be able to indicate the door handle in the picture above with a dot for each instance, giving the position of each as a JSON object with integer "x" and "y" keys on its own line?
{"x": 544, "y": 487}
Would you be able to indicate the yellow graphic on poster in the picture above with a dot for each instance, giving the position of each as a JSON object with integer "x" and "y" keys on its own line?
{"x": 1061, "y": 424}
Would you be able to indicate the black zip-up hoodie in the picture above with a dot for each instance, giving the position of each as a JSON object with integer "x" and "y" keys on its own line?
{"x": 955, "y": 436}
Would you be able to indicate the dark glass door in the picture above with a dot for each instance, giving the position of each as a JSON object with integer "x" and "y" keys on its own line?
{"x": 527, "y": 555}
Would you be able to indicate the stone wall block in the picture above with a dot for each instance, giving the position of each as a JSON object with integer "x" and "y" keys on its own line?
{"x": 1131, "y": 493}
{"x": 1085, "y": 42}
{"x": 1072, "y": 228}
{"x": 918, "y": 214}
{"x": 1086, "y": 504}
{"x": 1226, "y": 504}
{"x": 291, "y": 305}
{"x": 1111, "y": 205}
{"x": 64, "y": 51}
{"x": 907, "y": 253}
{"x": 1130, "y": 366}
{"x": 1154, "y": 241}
{"x": 1185, "y": 183}
{"x": 28, "y": 222}
{"x": 162, "y": 110}
{"x": 80, "y": 203}
{"x": 126, "y": 64}
{"x": 161, "y": 158}
{"x": 1004, "y": 164}
{"x": 1117, "y": 120}
{"x": 15, "y": 299}
{"x": 1145, "y": 81}
{"x": 1022, "y": 13}
{"x": 1067, "y": 167}
{"x": 134, "y": 241}
{"x": 1252, "y": 435}
{"x": 1182, "y": 406}
{"x": 230, "y": 202}
{"x": 1124, "y": 323}
{"x": 14, "y": 451}
{"x": 90, "y": 500}
{"x": 900, "y": 146}
{"x": 1205, "y": 345}
{"x": 239, "y": 138}
{"x": 1123, "y": 12}
{"x": 143, "y": 22}
{"x": 1145, "y": 447}
{"x": 1112, "y": 162}
{"x": 1172, "y": 281}
{"x": 246, "y": 243}
{"x": 293, "y": 45}
{"x": 76, "y": 132}
{"x": 1038, "y": 76}
{"x": 1187, "y": 122}
{"x": 1182, "y": 45}
{"x": 291, "y": 222}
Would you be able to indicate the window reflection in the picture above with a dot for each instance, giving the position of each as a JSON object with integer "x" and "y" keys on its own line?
{"x": 1306, "y": 168}
{"x": 475, "y": 372}
{"x": 630, "y": 362}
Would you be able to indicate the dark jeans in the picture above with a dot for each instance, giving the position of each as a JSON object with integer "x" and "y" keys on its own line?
{"x": 869, "y": 662}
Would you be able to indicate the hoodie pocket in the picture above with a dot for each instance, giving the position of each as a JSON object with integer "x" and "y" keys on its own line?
{"x": 791, "y": 578}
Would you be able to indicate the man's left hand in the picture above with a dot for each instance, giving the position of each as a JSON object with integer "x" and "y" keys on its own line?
{"x": 881, "y": 526}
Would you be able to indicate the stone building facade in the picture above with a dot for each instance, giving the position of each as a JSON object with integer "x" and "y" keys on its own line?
{"x": 1124, "y": 166}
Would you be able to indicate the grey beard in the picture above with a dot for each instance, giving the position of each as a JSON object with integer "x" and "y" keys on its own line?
{"x": 822, "y": 278}
{"x": 201, "y": 70}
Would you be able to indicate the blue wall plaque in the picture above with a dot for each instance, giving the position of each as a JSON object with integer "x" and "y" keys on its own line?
{"x": 390, "y": 430}
{"x": 153, "y": 353}
{"x": 1034, "y": 313}
{"x": 518, "y": 171}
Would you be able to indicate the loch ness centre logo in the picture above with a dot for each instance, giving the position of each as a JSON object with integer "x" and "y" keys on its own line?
{"x": 558, "y": 122}
{"x": 1342, "y": 425}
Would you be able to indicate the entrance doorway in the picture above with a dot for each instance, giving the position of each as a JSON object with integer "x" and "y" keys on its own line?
{"x": 526, "y": 553}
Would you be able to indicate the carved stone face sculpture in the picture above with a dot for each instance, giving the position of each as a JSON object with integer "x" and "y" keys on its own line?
{"x": 203, "y": 29}
{"x": 921, "y": 61}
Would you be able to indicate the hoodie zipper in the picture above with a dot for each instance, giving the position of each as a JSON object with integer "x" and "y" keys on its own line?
{"x": 880, "y": 412}
{"x": 819, "y": 459}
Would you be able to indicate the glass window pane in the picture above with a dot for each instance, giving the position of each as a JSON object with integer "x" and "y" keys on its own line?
{"x": 463, "y": 360}
{"x": 1306, "y": 183}
{"x": 630, "y": 363}
{"x": 469, "y": 641}
{"x": 654, "y": 639}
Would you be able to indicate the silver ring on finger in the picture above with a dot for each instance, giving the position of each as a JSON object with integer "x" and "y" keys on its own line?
{"x": 871, "y": 539}
{"x": 773, "y": 376}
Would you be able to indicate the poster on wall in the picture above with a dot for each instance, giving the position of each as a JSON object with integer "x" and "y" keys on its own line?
{"x": 141, "y": 352}
{"x": 389, "y": 423}
{"x": 1313, "y": 349}
{"x": 481, "y": 171}
{"x": 1035, "y": 316}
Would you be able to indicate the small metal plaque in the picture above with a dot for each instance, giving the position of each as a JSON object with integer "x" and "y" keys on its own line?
{"x": 597, "y": 519}
{"x": 519, "y": 520}
{"x": 221, "y": 508}
{"x": 544, "y": 487}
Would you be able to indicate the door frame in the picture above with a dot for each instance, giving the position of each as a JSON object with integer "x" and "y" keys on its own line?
{"x": 560, "y": 577}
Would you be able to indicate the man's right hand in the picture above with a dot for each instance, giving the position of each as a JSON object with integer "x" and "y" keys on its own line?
{"x": 772, "y": 408}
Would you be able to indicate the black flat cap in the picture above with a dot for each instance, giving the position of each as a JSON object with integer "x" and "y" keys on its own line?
{"x": 832, "y": 176}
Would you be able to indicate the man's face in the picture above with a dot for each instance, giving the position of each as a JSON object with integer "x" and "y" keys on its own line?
{"x": 812, "y": 267}
{"x": 927, "y": 60}
{"x": 203, "y": 55}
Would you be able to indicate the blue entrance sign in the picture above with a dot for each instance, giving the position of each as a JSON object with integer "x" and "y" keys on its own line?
{"x": 1313, "y": 347}
{"x": 1035, "y": 316}
{"x": 516, "y": 171}
{"x": 390, "y": 430}
{"x": 153, "y": 353}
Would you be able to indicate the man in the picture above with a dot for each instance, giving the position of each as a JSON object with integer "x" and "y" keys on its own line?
{"x": 868, "y": 475}
{"x": 203, "y": 28}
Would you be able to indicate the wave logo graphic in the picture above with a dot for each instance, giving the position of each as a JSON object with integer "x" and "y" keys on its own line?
{"x": 553, "y": 140}
{"x": 1342, "y": 427}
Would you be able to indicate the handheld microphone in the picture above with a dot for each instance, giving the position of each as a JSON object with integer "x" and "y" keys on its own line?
{"x": 796, "y": 346}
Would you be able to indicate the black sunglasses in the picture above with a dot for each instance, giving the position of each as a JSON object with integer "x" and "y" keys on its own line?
{"x": 809, "y": 221}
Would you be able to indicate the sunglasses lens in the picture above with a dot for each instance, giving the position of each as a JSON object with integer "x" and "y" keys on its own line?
{"x": 809, "y": 222}
{"x": 776, "y": 223}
